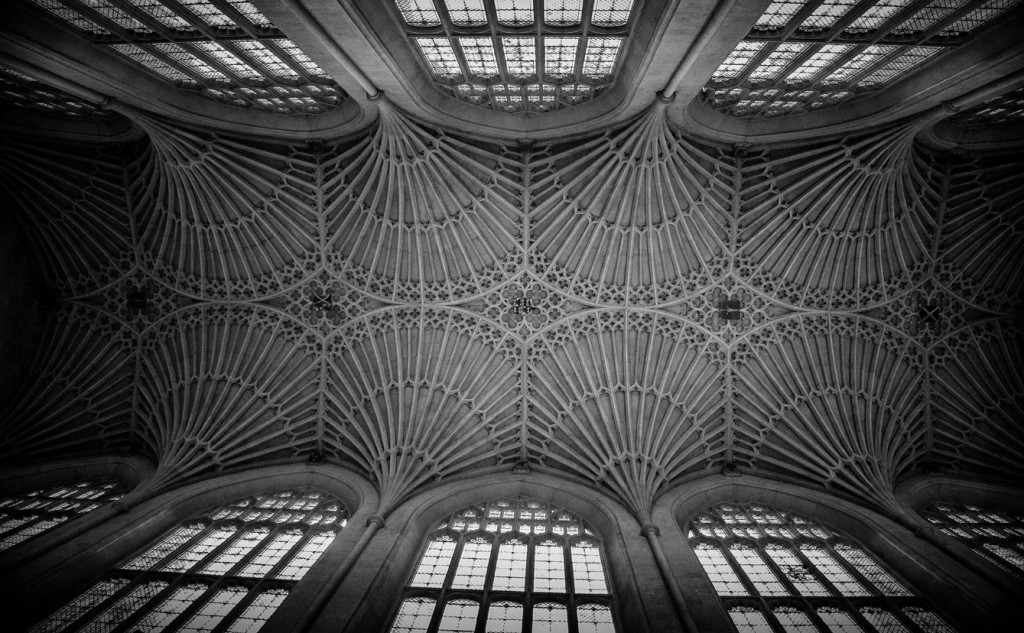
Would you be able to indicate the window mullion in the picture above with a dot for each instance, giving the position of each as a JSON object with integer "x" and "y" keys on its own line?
{"x": 741, "y": 573}
{"x": 570, "y": 584}
{"x": 253, "y": 552}
{"x": 146, "y": 607}
{"x": 100, "y": 19}
{"x": 151, "y": 22}
{"x": 172, "y": 62}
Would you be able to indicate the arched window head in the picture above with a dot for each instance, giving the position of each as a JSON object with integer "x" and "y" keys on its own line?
{"x": 227, "y": 571}
{"x": 494, "y": 566}
{"x": 29, "y": 514}
{"x": 779, "y": 571}
{"x": 998, "y": 535}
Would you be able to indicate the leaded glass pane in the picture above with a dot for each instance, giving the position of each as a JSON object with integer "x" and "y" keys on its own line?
{"x": 480, "y": 60}
{"x": 836, "y": 574}
{"x": 520, "y": 56}
{"x": 466, "y": 12}
{"x": 899, "y": 66}
{"x": 301, "y": 561}
{"x": 838, "y": 621}
{"x": 258, "y": 611}
{"x": 861, "y": 62}
{"x": 882, "y": 620}
{"x": 459, "y": 616}
{"x": 124, "y": 607}
{"x": 80, "y": 606}
{"x": 214, "y": 610}
{"x": 29, "y": 514}
{"x": 414, "y": 616}
{"x": 773, "y": 66}
{"x": 562, "y": 12}
{"x": 471, "y": 572}
{"x": 560, "y": 56}
{"x": 594, "y": 618}
{"x": 599, "y": 60}
{"x": 877, "y": 14}
{"x": 826, "y": 14}
{"x": 748, "y": 620}
{"x": 764, "y": 579}
{"x": 737, "y": 60}
{"x": 514, "y": 12}
{"x": 611, "y": 12}
{"x": 549, "y": 567}
{"x": 434, "y": 563}
{"x": 928, "y": 620}
{"x": 510, "y": 571}
{"x": 504, "y": 617}
{"x": 819, "y": 61}
{"x": 717, "y": 566}
{"x": 778, "y": 13}
{"x": 587, "y": 572}
{"x": 801, "y": 577}
{"x": 440, "y": 56}
{"x": 868, "y": 568}
{"x": 419, "y": 12}
{"x": 928, "y": 16}
{"x": 549, "y": 617}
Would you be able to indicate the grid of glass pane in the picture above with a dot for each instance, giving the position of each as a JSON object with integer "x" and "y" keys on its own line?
{"x": 995, "y": 534}
{"x": 509, "y": 71}
{"x": 183, "y": 570}
{"x": 773, "y": 566}
{"x": 29, "y": 514}
{"x": 507, "y": 562}
{"x": 837, "y": 50}
{"x": 222, "y": 49}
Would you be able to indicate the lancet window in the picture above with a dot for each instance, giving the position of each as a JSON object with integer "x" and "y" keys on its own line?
{"x": 518, "y": 55}
{"x": 997, "y": 535}
{"x": 226, "y": 50}
{"x": 228, "y": 570}
{"x": 497, "y": 566}
{"x": 29, "y": 514}
{"x": 778, "y": 571}
{"x": 806, "y": 55}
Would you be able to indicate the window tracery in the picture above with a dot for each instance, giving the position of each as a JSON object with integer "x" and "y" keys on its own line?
{"x": 778, "y": 571}
{"x": 226, "y": 50}
{"x": 805, "y": 55}
{"x": 500, "y": 54}
{"x": 27, "y": 515}
{"x": 495, "y": 566}
{"x": 997, "y": 535}
{"x": 231, "y": 568}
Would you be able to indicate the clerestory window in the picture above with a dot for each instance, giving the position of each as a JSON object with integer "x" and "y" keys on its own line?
{"x": 778, "y": 571}
{"x": 30, "y": 514}
{"x": 227, "y": 50}
{"x": 227, "y": 571}
{"x": 996, "y": 535}
{"x": 497, "y": 566}
{"x": 807, "y": 55}
{"x": 520, "y": 55}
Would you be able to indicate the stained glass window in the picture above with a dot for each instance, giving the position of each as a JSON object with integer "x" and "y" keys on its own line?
{"x": 805, "y": 55}
{"x": 778, "y": 571}
{"x": 495, "y": 566}
{"x": 29, "y": 514}
{"x": 231, "y": 568}
{"x": 996, "y": 535}
{"x": 226, "y": 50}
{"x": 564, "y": 60}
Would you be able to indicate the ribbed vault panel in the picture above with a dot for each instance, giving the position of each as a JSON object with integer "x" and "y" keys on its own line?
{"x": 79, "y": 395}
{"x": 982, "y": 245}
{"x": 219, "y": 219}
{"x": 73, "y": 206}
{"x": 632, "y": 216}
{"x": 412, "y": 214}
{"x": 629, "y": 400}
{"x": 413, "y": 395}
{"x": 222, "y": 385}
{"x": 842, "y": 224}
{"x": 979, "y": 399}
{"x": 834, "y": 400}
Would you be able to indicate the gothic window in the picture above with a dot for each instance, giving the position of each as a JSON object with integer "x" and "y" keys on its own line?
{"x": 1003, "y": 109}
{"x": 503, "y": 55}
{"x": 495, "y": 566}
{"x": 230, "y": 569}
{"x": 226, "y": 50}
{"x": 997, "y": 535}
{"x": 29, "y": 514}
{"x": 805, "y": 55}
{"x": 779, "y": 571}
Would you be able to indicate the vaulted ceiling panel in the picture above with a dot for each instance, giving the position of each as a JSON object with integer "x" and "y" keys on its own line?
{"x": 412, "y": 395}
{"x": 223, "y": 219}
{"x": 221, "y": 386}
{"x": 637, "y": 215}
{"x": 411, "y": 213}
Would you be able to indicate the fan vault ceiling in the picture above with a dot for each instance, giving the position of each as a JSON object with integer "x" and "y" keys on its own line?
{"x": 635, "y": 307}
